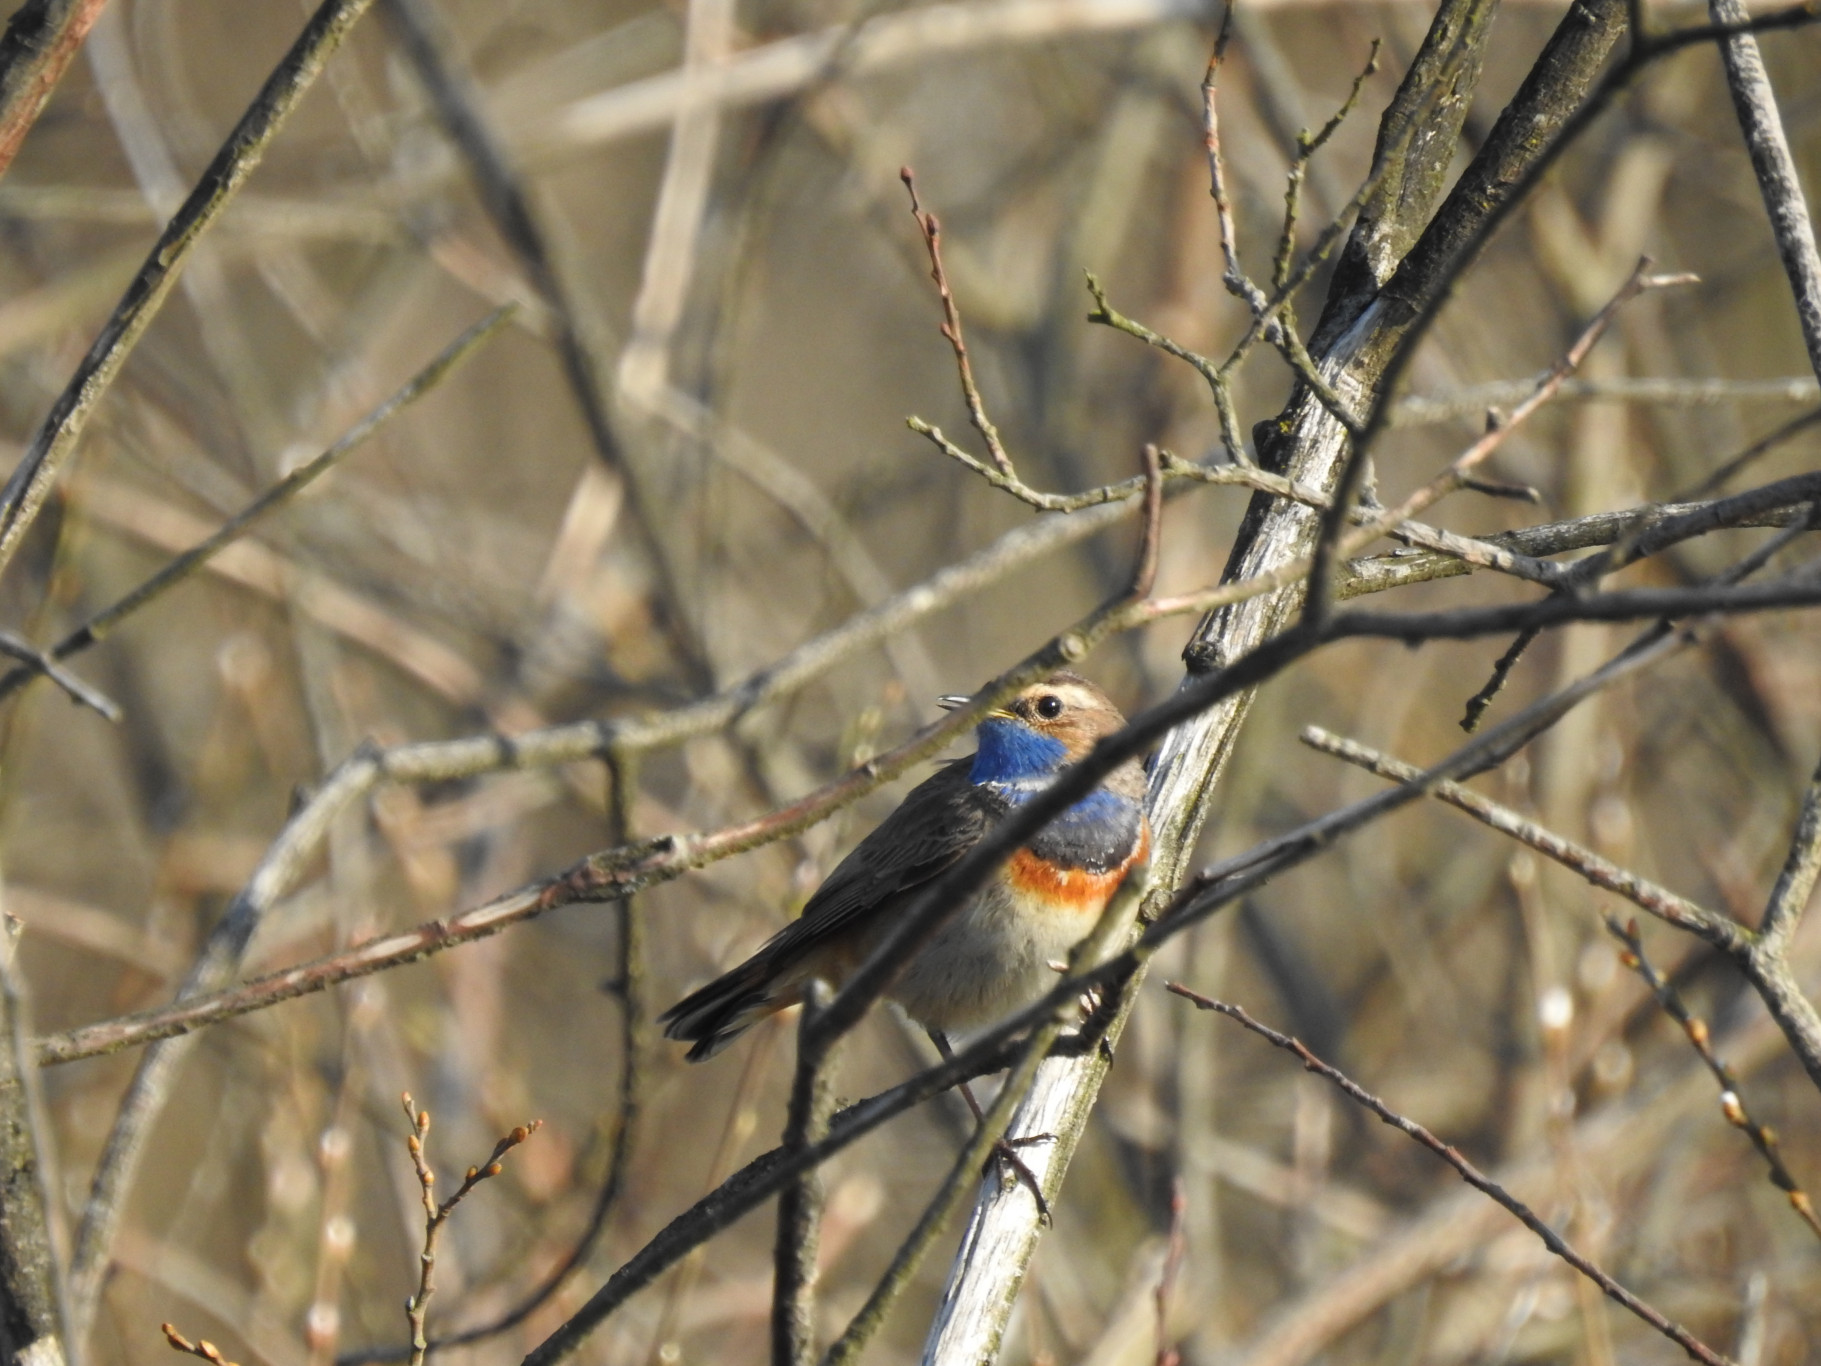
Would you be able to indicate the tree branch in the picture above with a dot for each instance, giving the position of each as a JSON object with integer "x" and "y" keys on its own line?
{"x": 56, "y": 438}
{"x": 1469, "y": 1173}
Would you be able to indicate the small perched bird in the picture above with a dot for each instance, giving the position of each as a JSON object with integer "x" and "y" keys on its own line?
{"x": 999, "y": 951}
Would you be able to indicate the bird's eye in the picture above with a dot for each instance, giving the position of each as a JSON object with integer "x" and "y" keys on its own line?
{"x": 1049, "y": 706}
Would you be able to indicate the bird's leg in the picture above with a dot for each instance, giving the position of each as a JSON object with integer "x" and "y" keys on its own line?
{"x": 1004, "y": 1149}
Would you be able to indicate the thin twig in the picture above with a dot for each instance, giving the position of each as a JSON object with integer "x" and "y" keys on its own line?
{"x": 1714, "y": 927}
{"x": 931, "y": 228}
{"x": 436, "y": 1215}
{"x": 1796, "y": 881}
{"x": 1307, "y": 145}
{"x": 1471, "y": 401}
{"x": 1144, "y": 567}
{"x": 36, "y": 662}
{"x": 1175, "y": 1249}
{"x": 1495, "y": 683}
{"x": 62, "y": 428}
{"x": 1234, "y": 276}
{"x": 1732, "y": 1100}
{"x": 1469, "y": 1173}
{"x": 182, "y": 566}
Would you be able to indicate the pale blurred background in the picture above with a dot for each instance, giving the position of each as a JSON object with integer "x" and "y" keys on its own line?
{"x": 478, "y": 565}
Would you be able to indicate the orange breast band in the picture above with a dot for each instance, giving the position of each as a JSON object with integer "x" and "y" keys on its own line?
{"x": 1075, "y": 889}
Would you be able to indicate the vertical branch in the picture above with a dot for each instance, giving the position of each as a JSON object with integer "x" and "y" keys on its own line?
{"x": 812, "y": 1101}
{"x": 1144, "y": 569}
{"x": 417, "y": 1306}
{"x": 1775, "y": 168}
{"x": 31, "y": 1331}
{"x": 1234, "y": 276}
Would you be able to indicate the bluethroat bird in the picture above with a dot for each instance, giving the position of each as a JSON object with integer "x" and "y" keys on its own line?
{"x": 1000, "y": 951}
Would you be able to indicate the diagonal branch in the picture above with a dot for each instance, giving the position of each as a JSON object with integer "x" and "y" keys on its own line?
{"x": 57, "y": 436}
{"x": 1469, "y": 1173}
{"x": 41, "y": 40}
{"x": 97, "y": 627}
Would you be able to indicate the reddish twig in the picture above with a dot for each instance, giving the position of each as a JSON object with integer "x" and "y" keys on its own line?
{"x": 1234, "y": 277}
{"x": 931, "y": 227}
{"x": 41, "y": 40}
{"x": 1471, "y": 1174}
{"x": 1732, "y": 1102}
{"x": 1144, "y": 568}
{"x": 435, "y": 1215}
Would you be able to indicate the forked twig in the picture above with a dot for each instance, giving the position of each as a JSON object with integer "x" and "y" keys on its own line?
{"x": 931, "y": 228}
{"x": 436, "y": 1215}
{"x": 1469, "y": 1173}
{"x": 1307, "y": 145}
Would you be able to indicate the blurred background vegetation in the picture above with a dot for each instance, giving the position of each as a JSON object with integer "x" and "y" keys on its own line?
{"x": 755, "y": 289}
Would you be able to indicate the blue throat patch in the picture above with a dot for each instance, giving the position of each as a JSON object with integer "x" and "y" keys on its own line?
{"x": 1011, "y": 751}
{"x": 1098, "y": 832}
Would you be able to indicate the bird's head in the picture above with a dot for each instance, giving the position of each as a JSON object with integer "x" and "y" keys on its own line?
{"x": 1043, "y": 727}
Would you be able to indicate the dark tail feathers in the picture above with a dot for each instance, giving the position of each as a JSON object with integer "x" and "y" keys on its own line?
{"x": 727, "y": 1007}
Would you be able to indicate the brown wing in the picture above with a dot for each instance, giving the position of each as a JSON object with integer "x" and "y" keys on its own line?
{"x": 940, "y": 820}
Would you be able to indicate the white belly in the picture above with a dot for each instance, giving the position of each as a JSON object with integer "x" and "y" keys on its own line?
{"x": 991, "y": 959}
